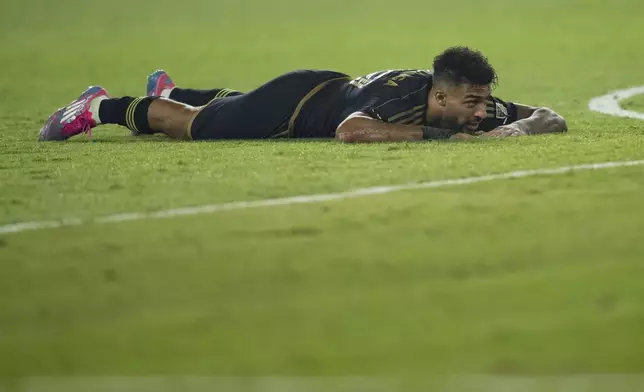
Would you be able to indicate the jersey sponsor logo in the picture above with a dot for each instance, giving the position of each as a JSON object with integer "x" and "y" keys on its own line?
{"x": 501, "y": 111}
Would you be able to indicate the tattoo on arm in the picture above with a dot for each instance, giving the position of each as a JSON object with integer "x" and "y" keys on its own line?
{"x": 543, "y": 120}
{"x": 366, "y": 130}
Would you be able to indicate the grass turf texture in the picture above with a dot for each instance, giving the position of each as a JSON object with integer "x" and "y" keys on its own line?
{"x": 635, "y": 103}
{"x": 536, "y": 276}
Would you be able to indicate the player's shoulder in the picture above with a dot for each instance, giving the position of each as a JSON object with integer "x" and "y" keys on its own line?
{"x": 393, "y": 78}
{"x": 411, "y": 76}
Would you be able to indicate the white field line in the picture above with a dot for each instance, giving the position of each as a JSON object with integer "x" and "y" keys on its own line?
{"x": 445, "y": 383}
{"x": 609, "y": 103}
{"x": 379, "y": 190}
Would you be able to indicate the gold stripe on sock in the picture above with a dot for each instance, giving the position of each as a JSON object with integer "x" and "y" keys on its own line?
{"x": 134, "y": 110}
{"x": 129, "y": 114}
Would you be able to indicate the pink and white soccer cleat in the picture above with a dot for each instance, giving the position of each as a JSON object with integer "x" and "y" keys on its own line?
{"x": 73, "y": 119}
{"x": 157, "y": 82}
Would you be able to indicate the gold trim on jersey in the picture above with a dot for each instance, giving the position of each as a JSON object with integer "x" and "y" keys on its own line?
{"x": 413, "y": 119}
{"x": 191, "y": 121}
{"x": 307, "y": 97}
{"x": 279, "y": 135}
{"x": 490, "y": 108}
{"x": 403, "y": 115}
{"x": 419, "y": 121}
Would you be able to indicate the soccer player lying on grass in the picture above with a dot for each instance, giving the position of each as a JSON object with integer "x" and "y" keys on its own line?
{"x": 453, "y": 101}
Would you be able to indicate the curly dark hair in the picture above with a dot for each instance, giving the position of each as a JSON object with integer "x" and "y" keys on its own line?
{"x": 460, "y": 64}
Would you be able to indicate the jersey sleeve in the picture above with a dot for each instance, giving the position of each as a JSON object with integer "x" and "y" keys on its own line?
{"x": 409, "y": 109}
{"x": 399, "y": 110}
{"x": 498, "y": 113}
{"x": 394, "y": 96}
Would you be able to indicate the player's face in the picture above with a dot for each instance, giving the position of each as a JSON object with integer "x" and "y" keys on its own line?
{"x": 464, "y": 107}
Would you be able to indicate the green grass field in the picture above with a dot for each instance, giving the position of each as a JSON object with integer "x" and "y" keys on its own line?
{"x": 532, "y": 277}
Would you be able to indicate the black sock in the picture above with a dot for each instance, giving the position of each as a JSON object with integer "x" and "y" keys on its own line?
{"x": 128, "y": 112}
{"x": 200, "y": 97}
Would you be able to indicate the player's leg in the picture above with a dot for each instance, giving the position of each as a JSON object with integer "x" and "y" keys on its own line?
{"x": 196, "y": 97}
{"x": 159, "y": 84}
{"x": 171, "y": 117}
{"x": 144, "y": 115}
{"x": 266, "y": 112}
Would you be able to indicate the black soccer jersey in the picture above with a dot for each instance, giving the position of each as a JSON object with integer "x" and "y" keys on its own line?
{"x": 400, "y": 96}
{"x": 393, "y": 96}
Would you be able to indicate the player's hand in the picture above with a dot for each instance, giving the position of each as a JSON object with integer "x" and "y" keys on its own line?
{"x": 505, "y": 131}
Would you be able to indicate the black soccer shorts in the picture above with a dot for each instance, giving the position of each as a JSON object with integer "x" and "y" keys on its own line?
{"x": 262, "y": 113}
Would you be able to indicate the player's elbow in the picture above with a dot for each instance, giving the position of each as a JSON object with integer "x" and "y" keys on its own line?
{"x": 346, "y": 131}
{"x": 351, "y": 129}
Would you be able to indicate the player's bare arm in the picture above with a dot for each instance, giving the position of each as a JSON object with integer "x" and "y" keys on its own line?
{"x": 360, "y": 128}
{"x": 531, "y": 121}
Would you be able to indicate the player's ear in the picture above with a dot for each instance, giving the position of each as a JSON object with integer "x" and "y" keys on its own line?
{"x": 440, "y": 97}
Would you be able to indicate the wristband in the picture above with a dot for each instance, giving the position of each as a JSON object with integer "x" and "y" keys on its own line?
{"x": 431, "y": 133}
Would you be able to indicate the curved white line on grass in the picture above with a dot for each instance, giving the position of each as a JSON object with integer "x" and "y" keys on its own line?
{"x": 609, "y": 103}
{"x": 379, "y": 190}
